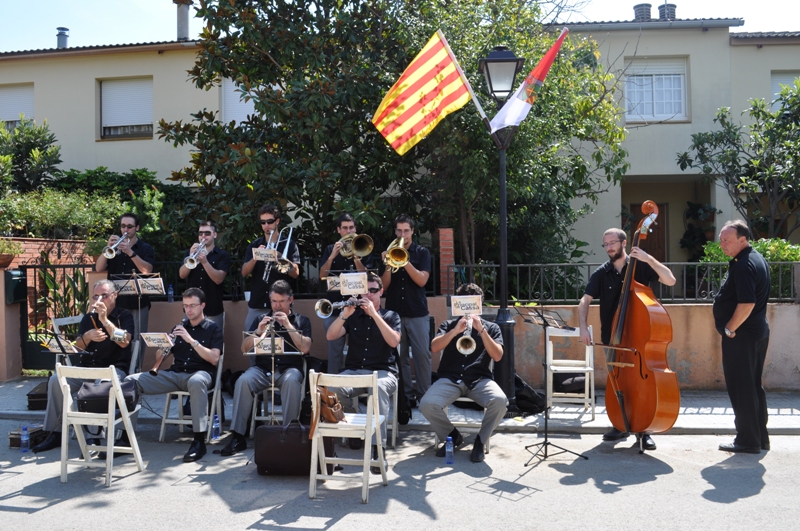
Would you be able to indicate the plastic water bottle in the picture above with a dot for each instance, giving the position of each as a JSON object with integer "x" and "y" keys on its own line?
{"x": 215, "y": 428}
{"x": 170, "y": 294}
{"x": 24, "y": 440}
{"x": 448, "y": 449}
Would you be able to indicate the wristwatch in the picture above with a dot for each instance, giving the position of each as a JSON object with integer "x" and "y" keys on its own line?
{"x": 729, "y": 333}
{"x": 196, "y": 342}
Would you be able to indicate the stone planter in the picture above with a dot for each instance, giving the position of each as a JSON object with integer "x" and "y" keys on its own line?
{"x": 5, "y": 260}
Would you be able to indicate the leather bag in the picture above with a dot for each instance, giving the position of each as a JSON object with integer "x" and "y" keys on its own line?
{"x": 286, "y": 450}
{"x": 92, "y": 397}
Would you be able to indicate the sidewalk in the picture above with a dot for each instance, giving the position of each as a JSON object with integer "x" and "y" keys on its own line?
{"x": 701, "y": 413}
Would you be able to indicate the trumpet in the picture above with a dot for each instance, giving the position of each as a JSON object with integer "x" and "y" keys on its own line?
{"x": 465, "y": 344}
{"x": 396, "y": 255}
{"x": 110, "y": 251}
{"x": 324, "y": 308}
{"x": 165, "y": 352}
{"x": 359, "y": 245}
{"x": 191, "y": 261}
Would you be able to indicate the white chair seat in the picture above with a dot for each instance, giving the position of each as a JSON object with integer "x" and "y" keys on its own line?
{"x": 584, "y": 365}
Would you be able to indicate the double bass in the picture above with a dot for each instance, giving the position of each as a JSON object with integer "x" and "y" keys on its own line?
{"x": 646, "y": 398}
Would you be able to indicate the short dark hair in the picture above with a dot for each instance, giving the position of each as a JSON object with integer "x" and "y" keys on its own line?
{"x": 208, "y": 223}
{"x": 130, "y": 215}
{"x": 741, "y": 228}
{"x": 404, "y": 218}
{"x": 195, "y": 292}
{"x": 281, "y": 287}
{"x": 344, "y": 217}
{"x": 372, "y": 277}
{"x": 619, "y": 233}
{"x": 270, "y": 209}
{"x": 469, "y": 289}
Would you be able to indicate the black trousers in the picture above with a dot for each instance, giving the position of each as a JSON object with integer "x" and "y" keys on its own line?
{"x": 743, "y": 363}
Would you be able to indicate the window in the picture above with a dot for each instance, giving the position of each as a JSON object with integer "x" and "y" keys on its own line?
{"x": 126, "y": 108}
{"x": 233, "y": 107}
{"x": 782, "y": 78}
{"x": 655, "y": 90}
{"x": 15, "y": 100}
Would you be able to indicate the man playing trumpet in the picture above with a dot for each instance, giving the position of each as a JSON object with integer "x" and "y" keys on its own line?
{"x": 464, "y": 373}
{"x": 198, "y": 344}
{"x": 211, "y": 266}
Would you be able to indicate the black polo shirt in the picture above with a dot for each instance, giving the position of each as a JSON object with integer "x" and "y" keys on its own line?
{"x": 338, "y": 265}
{"x": 198, "y": 278}
{"x": 403, "y": 295}
{"x": 469, "y": 369}
{"x": 122, "y": 264}
{"x": 747, "y": 281}
{"x": 606, "y": 284}
{"x": 107, "y": 352}
{"x": 259, "y": 290}
{"x": 288, "y": 361}
{"x": 186, "y": 358}
{"x": 367, "y": 348}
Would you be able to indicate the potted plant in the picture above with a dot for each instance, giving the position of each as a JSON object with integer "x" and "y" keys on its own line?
{"x": 8, "y": 250}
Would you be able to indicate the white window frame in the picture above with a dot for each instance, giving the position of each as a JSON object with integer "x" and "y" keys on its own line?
{"x": 778, "y": 78}
{"x": 16, "y": 99}
{"x": 656, "y": 90}
{"x": 233, "y": 106}
{"x": 126, "y": 108}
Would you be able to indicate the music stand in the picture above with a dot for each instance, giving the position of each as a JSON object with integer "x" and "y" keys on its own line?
{"x": 544, "y": 320}
{"x": 141, "y": 286}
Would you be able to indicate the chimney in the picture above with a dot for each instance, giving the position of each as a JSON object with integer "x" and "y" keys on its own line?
{"x": 666, "y": 12}
{"x": 62, "y": 36}
{"x": 183, "y": 19}
{"x": 641, "y": 12}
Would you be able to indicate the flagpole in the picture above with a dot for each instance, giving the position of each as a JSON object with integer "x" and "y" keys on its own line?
{"x": 463, "y": 76}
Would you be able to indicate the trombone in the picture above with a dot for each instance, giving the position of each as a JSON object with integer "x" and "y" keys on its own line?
{"x": 465, "y": 344}
{"x": 396, "y": 255}
{"x": 110, "y": 251}
{"x": 359, "y": 245}
{"x": 191, "y": 261}
{"x": 324, "y": 308}
{"x": 283, "y": 265}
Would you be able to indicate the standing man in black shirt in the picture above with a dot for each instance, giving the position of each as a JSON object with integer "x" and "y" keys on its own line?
{"x": 198, "y": 344}
{"x": 269, "y": 216}
{"x": 213, "y": 265}
{"x": 133, "y": 255}
{"x": 606, "y": 284}
{"x": 374, "y": 335}
{"x": 466, "y": 375}
{"x": 333, "y": 264}
{"x": 740, "y": 316}
{"x": 405, "y": 294}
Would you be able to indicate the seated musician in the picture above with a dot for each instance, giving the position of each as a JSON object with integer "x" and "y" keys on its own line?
{"x": 466, "y": 375}
{"x": 295, "y": 330}
{"x": 105, "y": 334}
{"x": 374, "y": 334}
{"x": 198, "y": 344}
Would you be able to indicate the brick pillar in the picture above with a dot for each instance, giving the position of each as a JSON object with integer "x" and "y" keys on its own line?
{"x": 446, "y": 261}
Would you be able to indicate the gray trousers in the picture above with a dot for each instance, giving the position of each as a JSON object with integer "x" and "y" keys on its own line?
{"x": 335, "y": 348}
{"x": 195, "y": 383}
{"x": 55, "y": 399}
{"x": 142, "y": 315}
{"x": 415, "y": 332}
{"x": 443, "y": 392}
{"x": 254, "y": 380}
{"x": 387, "y": 384}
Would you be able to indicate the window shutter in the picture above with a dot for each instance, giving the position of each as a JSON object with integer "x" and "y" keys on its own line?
{"x": 781, "y": 78}
{"x": 656, "y": 65}
{"x": 127, "y": 102}
{"x": 234, "y": 108}
{"x": 16, "y": 100}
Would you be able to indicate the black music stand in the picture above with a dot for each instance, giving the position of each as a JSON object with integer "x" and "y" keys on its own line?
{"x": 540, "y": 318}
{"x": 136, "y": 277}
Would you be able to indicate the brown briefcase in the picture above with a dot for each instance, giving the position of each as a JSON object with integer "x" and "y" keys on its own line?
{"x": 286, "y": 450}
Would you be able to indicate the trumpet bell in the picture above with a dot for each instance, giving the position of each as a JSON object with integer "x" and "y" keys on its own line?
{"x": 396, "y": 255}
{"x": 190, "y": 262}
{"x": 109, "y": 252}
{"x": 283, "y": 265}
{"x": 323, "y": 308}
{"x": 465, "y": 345}
{"x": 362, "y": 245}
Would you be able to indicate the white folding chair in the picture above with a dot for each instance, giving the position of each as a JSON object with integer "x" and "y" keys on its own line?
{"x": 583, "y": 365}
{"x": 182, "y": 420}
{"x": 135, "y": 344}
{"x": 267, "y": 414}
{"x": 58, "y": 322}
{"x": 72, "y": 417}
{"x": 356, "y": 425}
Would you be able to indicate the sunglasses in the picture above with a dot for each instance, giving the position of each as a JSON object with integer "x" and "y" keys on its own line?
{"x": 124, "y": 226}
{"x": 268, "y": 221}
{"x": 374, "y": 290}
{"x": 204, "y": 233}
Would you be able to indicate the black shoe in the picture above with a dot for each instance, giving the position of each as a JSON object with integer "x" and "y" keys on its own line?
{"x": 234, "y": 446}
{"x": 615, "y": 435}
{"x": 355, "y": 443}
{"x": 52, "y": 441}
{"x": 196, "y": 451}
{"x": 458, "y": 440}
{"x": 648, "y": 443}
{"x": 376, "y": 469}
{"x": 412, "y": 403}
{"x": 477, "y": 455}
{"x": 733, "y": 447}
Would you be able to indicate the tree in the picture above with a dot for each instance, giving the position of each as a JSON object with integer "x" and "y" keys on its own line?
{"x": 758, "y": 164}
{"x": 34, "y": 154}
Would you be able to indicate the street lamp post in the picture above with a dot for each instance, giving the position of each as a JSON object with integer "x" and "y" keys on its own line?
{"x": 500, "y": 68}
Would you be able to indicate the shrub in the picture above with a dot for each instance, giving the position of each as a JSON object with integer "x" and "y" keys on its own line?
{"x": 34, "y": 155}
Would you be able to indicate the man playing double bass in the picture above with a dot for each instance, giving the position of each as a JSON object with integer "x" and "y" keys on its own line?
{"x": 606, "y": 284}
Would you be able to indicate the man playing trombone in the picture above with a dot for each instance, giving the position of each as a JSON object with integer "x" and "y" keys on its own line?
{"x": 464, "y": 370}
{"x": 334, "y": 262}
{"x": 205, "y": 266}
{"x": 198, "y": 344}
{"x": 264, "y": 274}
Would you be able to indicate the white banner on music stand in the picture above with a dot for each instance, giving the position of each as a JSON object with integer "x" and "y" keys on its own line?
{"x": 353, "y": 283}
{"x": 465, "y": 304}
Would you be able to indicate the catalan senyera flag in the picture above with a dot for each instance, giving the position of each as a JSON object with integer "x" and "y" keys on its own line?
{"x": 430, "y": 88}
{"x": 516, "y": 109}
